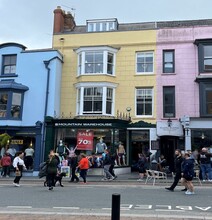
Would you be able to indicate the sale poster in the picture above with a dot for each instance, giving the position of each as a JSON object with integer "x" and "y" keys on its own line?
{"x": 85, "y": 140}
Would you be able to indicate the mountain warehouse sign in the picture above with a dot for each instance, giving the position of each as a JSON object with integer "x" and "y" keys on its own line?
{"x": 83, "y": 124}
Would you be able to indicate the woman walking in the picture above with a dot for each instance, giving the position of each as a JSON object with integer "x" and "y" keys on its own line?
{"x": 188, "y": 174}
{"x": 52, "y": 165}
{"x": 18, "y": 164}
{"x": 83, "y": 166}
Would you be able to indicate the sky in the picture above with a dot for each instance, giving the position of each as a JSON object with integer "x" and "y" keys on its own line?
{"x": 30, "y": 22}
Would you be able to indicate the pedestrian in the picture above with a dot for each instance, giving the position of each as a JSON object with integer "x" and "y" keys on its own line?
{"x": 83, "y": 166}
{"x": 188, "y": 174}
{"x": 28, "y": 159}
{"x": 204, "y": 159}
{"x": 177, "y": 169}
{"x": 142, "y": 165}
{"x": 19, "y": 166}
{"x": 112, "y": 164}
{"x": 106, "y": 166}
{"x": 6, "y": 163}
{"x": 52, "y": 166}
{"x": 73, "y": 164}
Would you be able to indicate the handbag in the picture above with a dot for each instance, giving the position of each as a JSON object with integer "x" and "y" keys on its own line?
{"x": 17, "y": 173}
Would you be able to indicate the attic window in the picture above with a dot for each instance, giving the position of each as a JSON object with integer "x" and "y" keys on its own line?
{"x": 102, "y": 25}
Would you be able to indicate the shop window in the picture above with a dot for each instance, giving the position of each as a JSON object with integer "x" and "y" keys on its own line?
{"x": 9, "y": 65}
{"x": 144, "y": 62}
{"x": 95, "y": 100}
{"x": 168, "y": 101}
{"x": 168, "y": 61}
{"x": 144, "y": 101}
{"x": 96, "y": 60}
{"x": 10, "y": 105}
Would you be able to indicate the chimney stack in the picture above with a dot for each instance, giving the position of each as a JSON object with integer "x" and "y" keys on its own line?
{"x": 62, "y": 21}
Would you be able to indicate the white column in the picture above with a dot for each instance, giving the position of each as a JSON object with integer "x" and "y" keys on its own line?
{"x": 187, "y": 139}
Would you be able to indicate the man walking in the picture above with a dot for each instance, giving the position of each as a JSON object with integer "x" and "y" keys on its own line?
{"x": 177, "y": 162}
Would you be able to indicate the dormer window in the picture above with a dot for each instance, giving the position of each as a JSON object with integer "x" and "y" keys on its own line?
{"x": 102, "y": 25}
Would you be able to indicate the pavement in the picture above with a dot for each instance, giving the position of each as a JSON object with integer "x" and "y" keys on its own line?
{"x": 122, "y": 179}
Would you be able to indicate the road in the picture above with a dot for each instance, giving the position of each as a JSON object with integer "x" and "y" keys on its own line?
{"x": 95, "y": 199}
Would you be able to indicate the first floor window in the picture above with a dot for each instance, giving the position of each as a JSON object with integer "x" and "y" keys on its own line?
{"x": 206, "y": 99}
{"x": 95, "y": 100}
{"x": 10, "y": 105}
{"x": 168, "y": 101}
{"x": 144, "y": 101}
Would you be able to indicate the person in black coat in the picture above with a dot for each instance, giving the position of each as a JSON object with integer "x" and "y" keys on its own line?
{"x": 178, "y": 163}
{"x": 188, "y": 174}
{"x": 74, "y": 164}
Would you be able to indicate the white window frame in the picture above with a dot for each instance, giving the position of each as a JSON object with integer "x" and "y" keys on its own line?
{"x": 81, "y": 52}
{"x": 80, "y": 93}
{"x": 143, "y": 53}
{"x": 144, "y": 88}
{"x": 104, "y": 25}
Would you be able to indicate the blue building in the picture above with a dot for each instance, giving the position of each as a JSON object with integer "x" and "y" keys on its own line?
{"x": 30, "y": 82}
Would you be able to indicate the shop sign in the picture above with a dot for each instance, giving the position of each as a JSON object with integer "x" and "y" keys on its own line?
{"x": 85, "y": 140}
{"x": 84, "y": 124}
{"x": 175, "y": 129}
{"x": 17, "y": 141}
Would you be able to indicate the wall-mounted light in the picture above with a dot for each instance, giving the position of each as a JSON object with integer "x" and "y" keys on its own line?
{"x": 62, "y": 39}
{"x": 203, "y": 136}
{"x": 128, "y": 110}
{"x": 169, "y": 122}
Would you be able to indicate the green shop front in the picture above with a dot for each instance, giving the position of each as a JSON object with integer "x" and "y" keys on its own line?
{"x": 86, "y": 134}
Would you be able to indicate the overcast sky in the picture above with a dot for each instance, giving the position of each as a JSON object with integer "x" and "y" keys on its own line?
{"x": 30, "y": 22}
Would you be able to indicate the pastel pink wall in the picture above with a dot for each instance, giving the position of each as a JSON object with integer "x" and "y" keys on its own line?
{"x": 186, "y": 68}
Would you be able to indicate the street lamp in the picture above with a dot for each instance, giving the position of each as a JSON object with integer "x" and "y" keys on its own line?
{"x": 128, "y": 110}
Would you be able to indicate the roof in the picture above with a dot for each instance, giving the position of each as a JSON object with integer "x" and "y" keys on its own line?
{"x": 10, "y": 84}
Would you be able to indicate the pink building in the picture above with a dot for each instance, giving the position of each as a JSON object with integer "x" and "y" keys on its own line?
{"x": 184, "y": 85}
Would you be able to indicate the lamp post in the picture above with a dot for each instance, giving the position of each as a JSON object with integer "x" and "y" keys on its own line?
{"x": 128, "y": 110}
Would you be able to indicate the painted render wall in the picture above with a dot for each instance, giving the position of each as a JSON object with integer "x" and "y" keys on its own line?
{"x": 128, "y": 43}
{"x": 186, "y": 68}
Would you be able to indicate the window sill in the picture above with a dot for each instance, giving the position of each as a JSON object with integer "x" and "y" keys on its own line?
{"x": 8, "y": 75}
{"x": 169, "y": 74}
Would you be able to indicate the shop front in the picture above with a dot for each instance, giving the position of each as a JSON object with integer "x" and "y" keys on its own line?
{"x": 89, "y": 136}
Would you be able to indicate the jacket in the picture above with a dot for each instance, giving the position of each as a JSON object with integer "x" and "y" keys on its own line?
{"x": 178, "y": 164}
{"x": 188, "y": 167}
{"x": 84, "y": 163}
{"x": 52, "y": 165}
{"x": 204, "y": 158}
{"x": 6, "y": 161}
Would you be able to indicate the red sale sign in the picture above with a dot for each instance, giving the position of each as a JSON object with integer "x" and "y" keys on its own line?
{"x": 84, "y": 140}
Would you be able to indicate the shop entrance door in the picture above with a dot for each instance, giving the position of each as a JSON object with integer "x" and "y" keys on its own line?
{"x": 167, "y": 148}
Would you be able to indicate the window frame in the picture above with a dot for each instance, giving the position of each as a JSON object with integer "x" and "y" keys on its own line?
{"x": 137, "y": 63}
{"x": 152, "y": 102}
{"x": 106, "y": 51}
{"x": 170, "y": 90}
{"x": 204, "y": 86}
{"x": 106, "y": 100}
{"x": 172, "y": 51}
{"x": 9, "y": 111}
{"x": 10, "y": 65}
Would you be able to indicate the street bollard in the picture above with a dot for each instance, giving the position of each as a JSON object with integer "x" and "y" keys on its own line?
{"x": 115, "y": 213}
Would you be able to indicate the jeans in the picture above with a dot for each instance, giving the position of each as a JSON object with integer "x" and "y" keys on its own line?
{"x": 206, "y": 168}
{"x": 106, "y": 171}
{"x": 83, "y": 174}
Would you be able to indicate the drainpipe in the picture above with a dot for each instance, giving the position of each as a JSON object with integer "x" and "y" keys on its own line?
{"x": 46, "y": 63}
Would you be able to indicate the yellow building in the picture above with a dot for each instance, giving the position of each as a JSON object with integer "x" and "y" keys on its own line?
{"x": 108, "y": 85}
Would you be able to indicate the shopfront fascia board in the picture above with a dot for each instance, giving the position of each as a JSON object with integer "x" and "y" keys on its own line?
{"x": 175, "y": 129}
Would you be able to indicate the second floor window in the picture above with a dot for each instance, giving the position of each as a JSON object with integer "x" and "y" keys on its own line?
{"x": 206, "y": 98}
{"x": 144, "y": 101}
{"x": 168, "y": 61}
{"x": 145, "y": 62}
{"x": 168, "y": 101}
{"x": 9, "y": 65}
{"x": 99, "y": 61}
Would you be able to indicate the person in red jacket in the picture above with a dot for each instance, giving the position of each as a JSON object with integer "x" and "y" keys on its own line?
{"x": 83, "y": 166}
{"x": 6, "y": 163}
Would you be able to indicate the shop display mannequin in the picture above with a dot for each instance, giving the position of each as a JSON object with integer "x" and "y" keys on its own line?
{"x": 61, "y": 149}
{"x": 121, "y": 154}
{"x": 100, "y": 146}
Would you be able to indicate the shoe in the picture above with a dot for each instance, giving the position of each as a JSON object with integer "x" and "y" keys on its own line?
{"x": 140, "y": 180}
{"x": 51, "y": 188}
{"x": 16, "y": 184}
{"x": 104, "y": 179}
{"x": 183, "y": 190}
{"x": 115, "y": 177}
{"x": 203, "y": 180}
{"x": 169, "y": 189}
{"x": 209, "y": 180}
{"x": 7, "y": 176}
{"x": 189, "y": 193}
